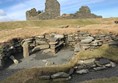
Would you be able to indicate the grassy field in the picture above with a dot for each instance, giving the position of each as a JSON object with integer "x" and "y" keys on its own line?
{"x": 47, "y": 23}
{"x": 55, "y": 23}
{"x": 104, "y": 51}
{"x": 24, "y": 29}
{"x": 9, "y": 30}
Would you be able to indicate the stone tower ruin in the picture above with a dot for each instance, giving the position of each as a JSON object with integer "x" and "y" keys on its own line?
{"x": 52, "y": 7}
{"x": 52, "y": 10}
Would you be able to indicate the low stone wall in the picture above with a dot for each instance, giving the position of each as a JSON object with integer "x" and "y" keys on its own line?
{"x": 82, "y": 67}
{"x": 53, "y": 42}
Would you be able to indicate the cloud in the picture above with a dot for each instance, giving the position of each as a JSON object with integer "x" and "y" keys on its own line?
{"x": 5, "y": 18}
{"x": 73, "y": 6}
{"x": 17, "y": 11}
{"x": 2, "y": 12}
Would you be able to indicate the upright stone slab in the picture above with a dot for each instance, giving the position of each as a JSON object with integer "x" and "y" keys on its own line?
{"x": 25, "y": 46}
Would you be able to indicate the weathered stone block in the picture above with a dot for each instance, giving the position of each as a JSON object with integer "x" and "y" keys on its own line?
{"x": 77, "y": 48}
{"x": 99, "y": 68}
{"x": 82, "y": 71}
{"x": 87, "y": 61}
{"x": 60, "y": 75}
{"x": 102, "y": 61}
{"x": 46, "y": 46}
{"x": 87, "y": 40}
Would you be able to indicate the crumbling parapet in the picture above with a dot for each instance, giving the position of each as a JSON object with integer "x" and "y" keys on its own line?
{"x": 31, "y": 13}
{"x": 85, "y": 12}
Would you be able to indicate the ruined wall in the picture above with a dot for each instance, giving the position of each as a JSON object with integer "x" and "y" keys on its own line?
{"x": 52, "y": 10}
{"x": 31, "y": 13}
{"x": 84, "y": 12}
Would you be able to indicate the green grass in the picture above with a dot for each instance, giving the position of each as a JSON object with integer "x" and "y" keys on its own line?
{"x": 105, "y": 80}
{"x": 47, "y": 23}
{"x": 104, "y": 51}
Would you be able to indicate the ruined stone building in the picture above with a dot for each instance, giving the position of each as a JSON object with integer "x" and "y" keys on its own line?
{"x": 84, "y": 12}
{"x": 52, "y": 11}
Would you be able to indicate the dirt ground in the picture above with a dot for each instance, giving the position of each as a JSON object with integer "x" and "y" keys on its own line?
{"x": 36, "y": 60}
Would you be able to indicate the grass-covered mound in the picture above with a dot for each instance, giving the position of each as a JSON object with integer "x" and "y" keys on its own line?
{"x": 104, "y": 51}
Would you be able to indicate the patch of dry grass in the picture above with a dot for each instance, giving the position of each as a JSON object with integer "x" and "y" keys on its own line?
{"x": 103, "y": 51}
{"x": 24, "y": 29}
{"x": 46, "y": 23}
{"x": 34, "y": 28}
{"x": 6, "y": 35}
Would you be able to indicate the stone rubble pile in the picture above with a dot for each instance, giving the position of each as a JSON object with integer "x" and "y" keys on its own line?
{"x": 82, "y": 67}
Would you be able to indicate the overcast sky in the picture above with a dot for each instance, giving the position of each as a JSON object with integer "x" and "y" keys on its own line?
{"x": 15, "y": 9}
